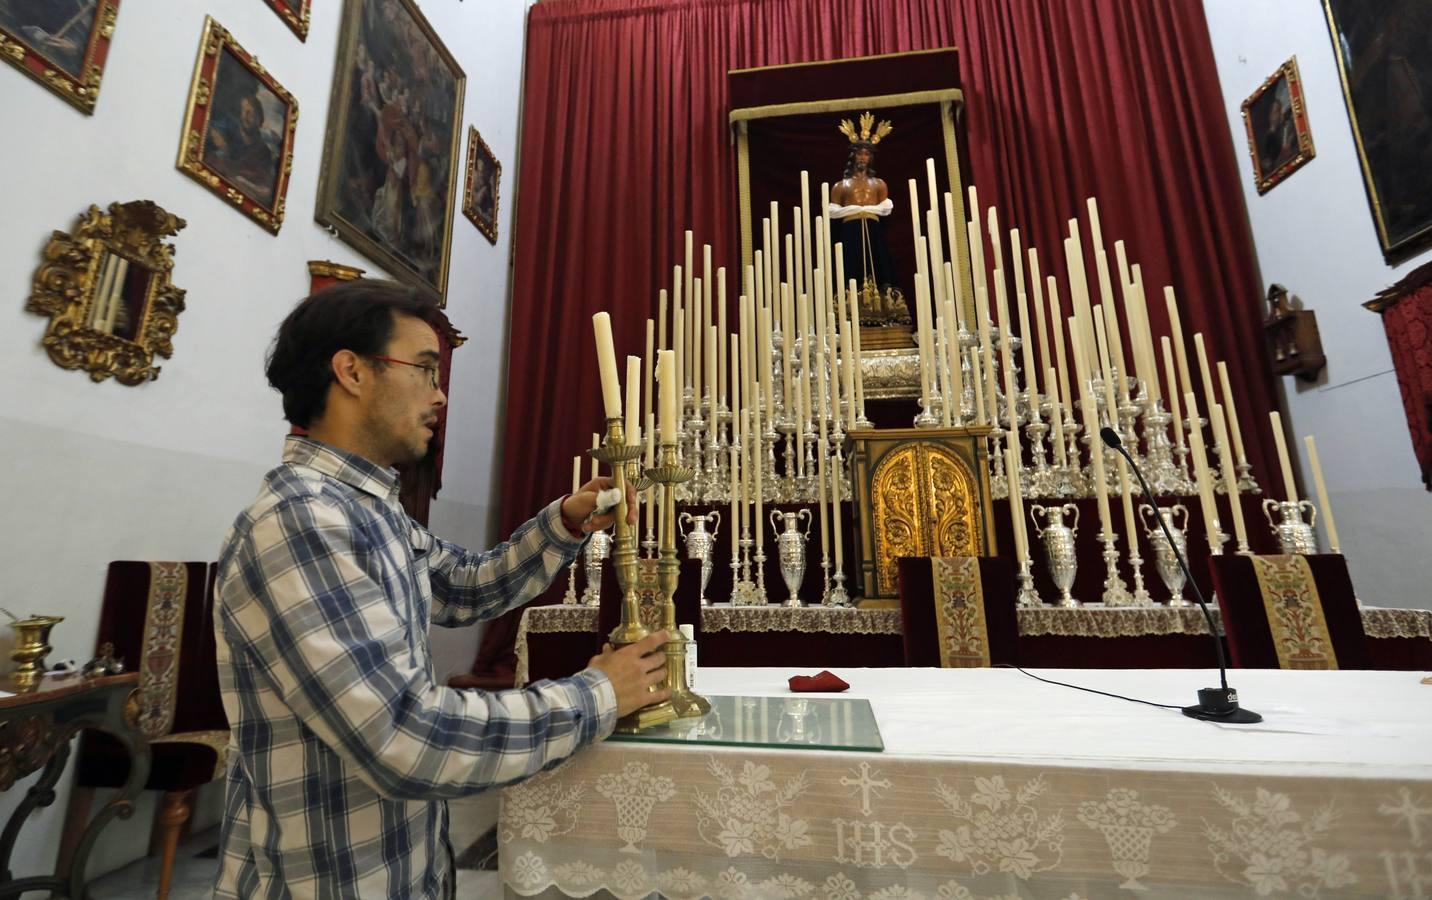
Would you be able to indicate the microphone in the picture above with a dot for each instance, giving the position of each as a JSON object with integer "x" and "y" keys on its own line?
{"x": 1214, "y": 704}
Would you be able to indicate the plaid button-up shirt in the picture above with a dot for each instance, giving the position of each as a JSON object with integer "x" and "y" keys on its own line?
{"x": 344, "y": 749}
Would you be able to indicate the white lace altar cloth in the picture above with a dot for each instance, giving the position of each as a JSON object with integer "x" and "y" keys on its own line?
{"x": 997, "y": 785}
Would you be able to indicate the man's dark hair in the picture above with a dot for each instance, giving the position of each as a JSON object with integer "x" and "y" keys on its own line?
{"x": 850, "y": 159}
{"x": 351, "y": 315}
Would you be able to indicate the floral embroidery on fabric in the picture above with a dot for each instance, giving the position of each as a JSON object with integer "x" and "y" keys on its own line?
{"x": 159, "y": 655}
{"x": 541, "y": 808}
{"x": 1295, "y": 613}
{"x": 1268, "y": 846}
{"x": 1002, "y": 831}
{"x": 747, "y": 814}
{"x": 635, "y": 791}
{"x": 1129, "y": 826}
{"x": 959, "y": 612}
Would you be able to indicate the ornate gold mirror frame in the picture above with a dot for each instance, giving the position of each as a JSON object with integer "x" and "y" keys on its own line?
{"x": 106, "y": 290}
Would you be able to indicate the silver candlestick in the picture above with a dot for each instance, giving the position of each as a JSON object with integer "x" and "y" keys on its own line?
{"x": 1116, "y": 592}
{"x": 599, "y": 547}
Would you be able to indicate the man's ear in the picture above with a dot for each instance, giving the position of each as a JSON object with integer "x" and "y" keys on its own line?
{"x": 349, "y": 372}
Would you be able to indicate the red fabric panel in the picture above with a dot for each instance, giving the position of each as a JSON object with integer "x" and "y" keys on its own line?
{"x": 1409, "y": 336}
{"x": 625, "y": 144}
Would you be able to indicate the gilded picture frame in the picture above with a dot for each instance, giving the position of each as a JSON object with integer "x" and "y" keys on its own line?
{"x": 387, "y": 185}
{"x": 480, "y": 194}
{"x": 239, "y": 127}
{"x": 1386, "y": 76}
{"x": 63, "y": 45}
{"x": 1276, "y": 119}
{"x": 295, "y": 14}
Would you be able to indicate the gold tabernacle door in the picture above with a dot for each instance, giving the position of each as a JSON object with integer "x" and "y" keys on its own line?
{"x": 918, "y": 492}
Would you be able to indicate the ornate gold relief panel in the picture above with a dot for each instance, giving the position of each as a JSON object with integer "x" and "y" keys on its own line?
{"x": 923, "y": 500}
{"x": 106, "y": 290}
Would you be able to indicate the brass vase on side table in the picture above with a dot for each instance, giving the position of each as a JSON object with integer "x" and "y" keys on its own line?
{"x": 32, "y": 643}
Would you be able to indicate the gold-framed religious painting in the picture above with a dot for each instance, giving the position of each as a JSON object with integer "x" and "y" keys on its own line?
{"x": 390, "y": 155}
{"x": 1276, "y": 118}
{"x": 62, "y": 44}
{"x": 1386, "y": 73}
{"x": 480, "y": 192}
{"x": 238, "y": 129}
{"x": 295, "y": 14}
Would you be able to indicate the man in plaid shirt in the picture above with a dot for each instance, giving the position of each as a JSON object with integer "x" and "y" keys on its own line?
{"x": 344, "y": 748}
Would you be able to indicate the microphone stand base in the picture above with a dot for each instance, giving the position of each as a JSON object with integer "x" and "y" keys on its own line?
{"x": 1220, "y": 705}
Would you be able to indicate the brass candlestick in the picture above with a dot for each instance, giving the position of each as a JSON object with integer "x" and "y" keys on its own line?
{"x": 616, "y": 454}
{"x": 685, "y": 703}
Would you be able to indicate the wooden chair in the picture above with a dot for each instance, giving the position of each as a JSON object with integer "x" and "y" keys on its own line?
{"x": 968, "y": 637}
{"x": 159, "y": 617}
{"x": 1290, "y": 612}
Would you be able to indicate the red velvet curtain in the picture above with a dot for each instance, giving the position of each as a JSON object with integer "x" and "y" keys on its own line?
{"x": 625, "y": 145}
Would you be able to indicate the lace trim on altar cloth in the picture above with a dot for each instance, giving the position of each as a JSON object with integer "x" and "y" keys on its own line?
{"x": 824, "y": 619}
{"x": 1112, "y": 622}
{"x": 1397, "y": 623}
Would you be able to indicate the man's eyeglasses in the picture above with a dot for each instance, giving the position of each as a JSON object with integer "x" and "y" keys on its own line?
{"x": 431, "y": 369}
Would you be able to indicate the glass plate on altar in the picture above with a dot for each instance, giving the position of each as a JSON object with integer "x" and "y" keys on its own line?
{"x": 795, "y": 722}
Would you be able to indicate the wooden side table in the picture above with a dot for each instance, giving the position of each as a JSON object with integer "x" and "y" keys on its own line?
{"x": 36, "y": 727}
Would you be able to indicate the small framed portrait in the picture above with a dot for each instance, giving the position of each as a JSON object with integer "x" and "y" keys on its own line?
{"x": 238, "y": 129}
{"x": 484, "y": 177}
{"x": 62, "y": 44}
{"x": 1277, "y": 121}
{"x": 294, "y": 14}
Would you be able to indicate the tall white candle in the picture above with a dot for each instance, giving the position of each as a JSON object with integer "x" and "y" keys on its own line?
{"x": 1332, "y": 529}
{"x": 679, "y": 355}
{"x": 1057, "y": 416}
{"x": 1204, "y": 371}
{"x": 1091, "y": 426}
{"x": 607, "y": 365}
{"x": 633, "y": 401}
{"x": 738, "y": 448}
{"x": 661, "y": 314}
{"x": 1173, "y": 394}
{"x": 1230, "y": 478}
{"x": 847, "y": 368}
{"x": 668, "y": 391}
{"x": 806, "y": 259}
{"x": 648, "y": 369}
{"x": 820, "y": 494}
{"x": 722, "y": 332}
{"x": 1180, "y": 352}
{"x": 1041, "y": 332}
{"x": 1011, "y": 462}
{"x": 576, "y": 473}
{"x": 1056, "y": 325}
{"x": 698, "y": 341}
{"x": 1200, "y": 470}
{"x": 836, "y": 535}
{"x": 1231, "y": 412}
{"x": 855, "y": 338}
{"x": 1290, "y": 486}
{"x": 712, "y": 341}
{"x": 596, "y": 442}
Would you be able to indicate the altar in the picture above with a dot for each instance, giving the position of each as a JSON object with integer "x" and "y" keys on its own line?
{"x": 994, "y": 784}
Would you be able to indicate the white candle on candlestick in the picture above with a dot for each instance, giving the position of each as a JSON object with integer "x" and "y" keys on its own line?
{"x": 1016, "y": 515}
{"x": 855, "y": 338}
{"x": 1056, "y": 325}
{"x": 1056, "y": 415}
{"x": 1284, "y": 460}
{"x": 596, "y": 442}
{"x": 847, "y": 369}
{"x": 1231, "y": 411}
{"x": 722, "y": 331}
{"x": 607, "y": 365}
{"x": 1173, "y": 394}
{"x": 1332, "y": 529}
{"x": 952, "y": 360}
{"x": 915, "y": 217}
{"x": 1091, "y": 426}
{"x": 661, "y": 314}
{"x": 837, "y": 533}
{"x": 1201, "y": 472}
{"x": 820, "y": 495}
{"x": 1180, "y": 352}
{"x": 576, "y": 474}
{"x": 650, "y": 436}
{"x": 698, "y": 342}
{"x": 1230, "y": 478}
{"x": 1204, "y": 371}
{"x": 633, "y": 401}
{"x": 1041, "y": 331}
{"x": 648, "y": 366}
{"x": 667, "y": 392}
{"x": 738, "y": 447}
{"x": 712, "y": 341}
{"x": 689, "y": 271}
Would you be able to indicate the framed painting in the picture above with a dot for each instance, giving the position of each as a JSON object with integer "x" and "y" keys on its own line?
{"x": 387, "y": 184}
{"x": 294, "y": 14}
{"x": 1386, "y": 73}
{"x": 480, "y": 193}
{"x": 1277, "y": 122}
{"x": 62, "y": 44}
{"x": 238, "y": 129}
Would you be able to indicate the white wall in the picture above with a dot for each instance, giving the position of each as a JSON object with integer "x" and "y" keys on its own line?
{"x": 1315, "y": 234}
{"x": 95, "y": 472}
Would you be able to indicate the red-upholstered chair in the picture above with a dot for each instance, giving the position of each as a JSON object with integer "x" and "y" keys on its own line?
{"x": 970, "y": 634}
{"x": 1306, "y": 618}
{"x": 160, "y": 618}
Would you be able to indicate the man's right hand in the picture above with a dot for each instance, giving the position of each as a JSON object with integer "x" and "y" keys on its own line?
{"x": 636, "y": 672}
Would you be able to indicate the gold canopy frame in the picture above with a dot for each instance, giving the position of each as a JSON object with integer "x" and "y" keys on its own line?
{"x": 950, "y": 102}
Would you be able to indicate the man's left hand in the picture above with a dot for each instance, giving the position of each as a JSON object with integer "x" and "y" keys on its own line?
{"x": 579, "y": 506}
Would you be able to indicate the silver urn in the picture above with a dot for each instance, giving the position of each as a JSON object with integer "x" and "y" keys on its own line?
{"x": 599, "y": 548}
{"x": 1059, "y": 546}
{"x": 699, "y": 542}
{"x": 791, "y": 547}
{"x": 1294, "y": 535}
{"x": 1165, "y": 561}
